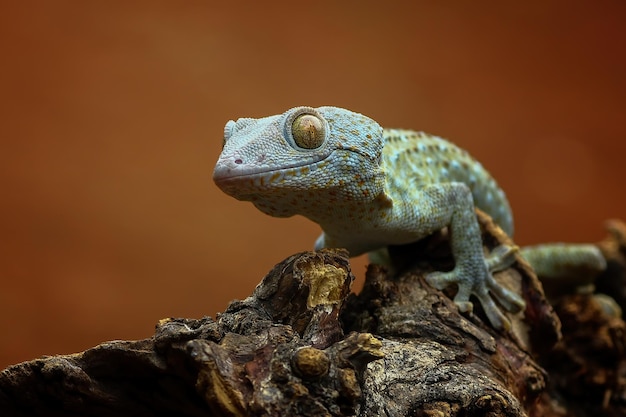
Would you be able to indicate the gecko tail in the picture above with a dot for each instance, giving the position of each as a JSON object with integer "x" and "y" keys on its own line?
{"x": 578, "y": 263}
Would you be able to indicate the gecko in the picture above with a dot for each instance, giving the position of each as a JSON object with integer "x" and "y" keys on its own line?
{"x": 370, "y": 187}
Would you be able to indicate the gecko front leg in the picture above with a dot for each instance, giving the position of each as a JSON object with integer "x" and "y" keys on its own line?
{"x": 451, "y": 204}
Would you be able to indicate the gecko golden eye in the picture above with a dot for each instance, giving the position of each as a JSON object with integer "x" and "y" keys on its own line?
{"x": 308, "y": 131}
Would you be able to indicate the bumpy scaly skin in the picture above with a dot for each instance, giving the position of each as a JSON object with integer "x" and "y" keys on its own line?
{"x": 369, "y": 187}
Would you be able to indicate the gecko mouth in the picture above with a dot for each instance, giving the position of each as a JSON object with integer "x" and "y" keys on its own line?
{"x": 226, "y": 173}
{"x": 229, "y": 170}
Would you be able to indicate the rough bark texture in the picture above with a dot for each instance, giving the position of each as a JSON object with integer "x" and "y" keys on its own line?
{"x": 302, "y": 345}
{"x": 588, "y": 366}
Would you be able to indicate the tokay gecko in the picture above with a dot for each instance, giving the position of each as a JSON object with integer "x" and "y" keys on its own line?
{"x": 369, "y": 187}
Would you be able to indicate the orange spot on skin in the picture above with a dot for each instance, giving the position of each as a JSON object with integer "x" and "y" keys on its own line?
{"x": 274, "y": 177}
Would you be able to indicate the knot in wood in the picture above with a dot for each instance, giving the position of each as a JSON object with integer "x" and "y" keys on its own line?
{"x": 310, "y": 362}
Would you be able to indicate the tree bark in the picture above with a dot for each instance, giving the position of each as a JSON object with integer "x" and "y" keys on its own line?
{"x": 303, "y": 345}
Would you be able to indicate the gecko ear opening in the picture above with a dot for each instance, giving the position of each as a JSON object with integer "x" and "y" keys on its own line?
{"x": 384, "y": 200}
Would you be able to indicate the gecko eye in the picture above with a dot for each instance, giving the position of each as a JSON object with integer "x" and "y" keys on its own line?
{"x": 308, "y": 131}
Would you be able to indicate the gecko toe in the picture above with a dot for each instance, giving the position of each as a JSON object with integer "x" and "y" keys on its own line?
{"x": 508, "y": 299}
{"x": 441, "y": 280}
{"x": 495, "y": 316}
{"x": 501, "y": 257}
{"x": 464, "y": 306}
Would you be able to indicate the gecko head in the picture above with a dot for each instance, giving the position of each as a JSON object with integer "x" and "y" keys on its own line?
{"x": 304, "y": 153}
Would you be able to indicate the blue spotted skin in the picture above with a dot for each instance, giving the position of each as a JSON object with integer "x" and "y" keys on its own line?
{"x": 369, "y": 187}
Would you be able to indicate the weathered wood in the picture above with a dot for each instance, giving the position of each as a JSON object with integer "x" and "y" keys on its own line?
{"x": 302, "y": 345}
{"x": 588, "y": 366}
{"x": 438, "y": 362}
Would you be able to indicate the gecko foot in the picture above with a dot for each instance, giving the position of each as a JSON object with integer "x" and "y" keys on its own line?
{"x": 475, "y": 278}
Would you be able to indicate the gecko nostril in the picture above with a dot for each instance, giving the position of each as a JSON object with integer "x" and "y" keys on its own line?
{"x": 238, "y": 161}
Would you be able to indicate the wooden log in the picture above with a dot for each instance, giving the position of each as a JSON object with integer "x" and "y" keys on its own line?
{"x": 303, "y": 345}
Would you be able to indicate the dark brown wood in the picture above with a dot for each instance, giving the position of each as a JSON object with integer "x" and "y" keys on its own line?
{"x": 303, "y": 345}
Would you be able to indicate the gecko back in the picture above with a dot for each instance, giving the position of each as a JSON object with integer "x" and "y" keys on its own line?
{"x": 416, "y": 159}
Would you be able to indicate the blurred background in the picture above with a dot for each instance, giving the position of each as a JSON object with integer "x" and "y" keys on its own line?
{"x": 113, "y": 112}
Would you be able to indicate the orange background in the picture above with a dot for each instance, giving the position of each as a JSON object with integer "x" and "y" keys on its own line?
{"x": 112, "y": 117}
